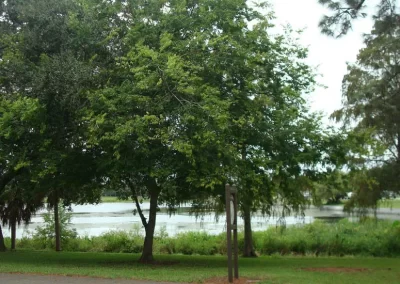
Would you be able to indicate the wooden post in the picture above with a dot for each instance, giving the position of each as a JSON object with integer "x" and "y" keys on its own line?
{"x": 231, "y": 197}
{"x": 235, "y": 235}
{"x": 229, "y": 231}
{"x": 13, "y": 222}
{"x": 57, "y": 229}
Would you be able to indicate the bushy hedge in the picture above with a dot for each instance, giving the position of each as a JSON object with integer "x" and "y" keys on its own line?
{"x": 369, "y": 238}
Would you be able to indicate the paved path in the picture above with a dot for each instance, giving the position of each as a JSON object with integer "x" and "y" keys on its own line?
{"x": 49, "y": 279}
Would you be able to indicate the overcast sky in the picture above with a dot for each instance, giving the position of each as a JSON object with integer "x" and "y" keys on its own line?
{"x": 329, "y": 54}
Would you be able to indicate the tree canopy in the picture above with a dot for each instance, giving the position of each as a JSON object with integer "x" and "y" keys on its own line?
{"x": 345, "y": 12}
{"x": 371, "y": 110}
{"x": 167, "y": 100}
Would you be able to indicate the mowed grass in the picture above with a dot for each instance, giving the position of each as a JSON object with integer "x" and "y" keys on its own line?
{"x": 179, "y": 268}
{"x": 385, "y": 203}
{"x": 114, "y": 199}
{"x": 390, "y": 203}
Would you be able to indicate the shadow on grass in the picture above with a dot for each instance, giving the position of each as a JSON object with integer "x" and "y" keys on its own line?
{"x": 104, "y": 259}
{"x": 114, "y": 260}
{"x": 124, "y": 261}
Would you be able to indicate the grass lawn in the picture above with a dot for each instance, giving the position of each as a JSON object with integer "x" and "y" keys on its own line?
{"x": 114, "y": 199}
{"x": 181, "y": 268}
{"x": 391, "y": 203}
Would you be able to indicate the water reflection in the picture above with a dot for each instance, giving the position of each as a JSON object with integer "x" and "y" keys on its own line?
{"x": 93, "y": 220}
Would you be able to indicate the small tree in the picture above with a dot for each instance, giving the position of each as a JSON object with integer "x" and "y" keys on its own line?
{"x": 47, "y": 232}
{"x": 17, "y": 206}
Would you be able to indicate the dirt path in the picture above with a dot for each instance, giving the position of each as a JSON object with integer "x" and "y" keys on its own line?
{"x": 15, "y": 278}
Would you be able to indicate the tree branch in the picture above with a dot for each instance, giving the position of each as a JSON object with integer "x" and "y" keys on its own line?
{"x": 137, "y": 203}
{"x": 360, "y": 5}
{"x": 7, "y": 177}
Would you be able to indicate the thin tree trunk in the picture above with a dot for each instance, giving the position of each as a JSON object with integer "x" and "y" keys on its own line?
{"x": 147, "y": 253}
{"x": 2, "y": 244}
{"x": 57, "y": 232}
{"x": 13, "y": 233}
{"x": 248, "y": 250}
{"x": 398, "y": 148}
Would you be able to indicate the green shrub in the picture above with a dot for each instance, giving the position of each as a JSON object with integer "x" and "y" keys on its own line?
{"x": 368, "y": 238}
{"x": 121, "y": 241}
{"x": 45, "y": 236}
{"x": 196, "y": 243}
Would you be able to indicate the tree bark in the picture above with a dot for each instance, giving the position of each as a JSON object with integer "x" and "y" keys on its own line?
{"x": 57, "y": 232}
{"x": 248, "y": 250}
{"x": 2, "y": 244}
{"x": 13, "y": 233}
{"x": 147, "y": 253}
{"x": 398, "y": 148}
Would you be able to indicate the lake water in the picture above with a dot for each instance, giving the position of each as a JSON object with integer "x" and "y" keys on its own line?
{"x": 93, "y": 220}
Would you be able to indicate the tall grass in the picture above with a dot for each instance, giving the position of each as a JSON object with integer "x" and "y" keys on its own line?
{"x": 367, "y": 238}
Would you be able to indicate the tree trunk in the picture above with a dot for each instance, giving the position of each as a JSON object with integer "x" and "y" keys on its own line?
{"x": 2, "y": 244}
{"x": 248, "y": 250}
{"x": 57, "y": 232}
{"x": 398, "y": 148}
{"x": 13, "y": 233}
{"x": 147, "y": 253}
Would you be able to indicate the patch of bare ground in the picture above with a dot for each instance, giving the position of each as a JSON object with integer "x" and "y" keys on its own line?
{"x": 336, "y": 269}
{"x": 224, "y": 280}
{"x": 130, "y": 263}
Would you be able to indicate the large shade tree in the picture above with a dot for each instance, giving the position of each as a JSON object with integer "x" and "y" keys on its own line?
{"x": 205, "y": 97}
{"x": 143, "y": 122}
{"x": 52, "y": 53}
{"x": 272, "y": 142}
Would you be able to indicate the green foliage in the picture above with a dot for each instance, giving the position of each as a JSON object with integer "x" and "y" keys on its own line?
{"x": 46, "y": 66}
{"x": 196, "y": 243}
{"x": 21, "y": 127}
{"x": 167, "y": 100}
{"x": 17, "y": 206}
{"x": 371, "y": 112}
{"x": 344, "y": 238}
{"x": 367, "y": 238}
{"x": 332, "y": 188}
{"x": 202, "y": 98}
{"x": 346, "y": 11}
{"x": 45, "y": 236}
